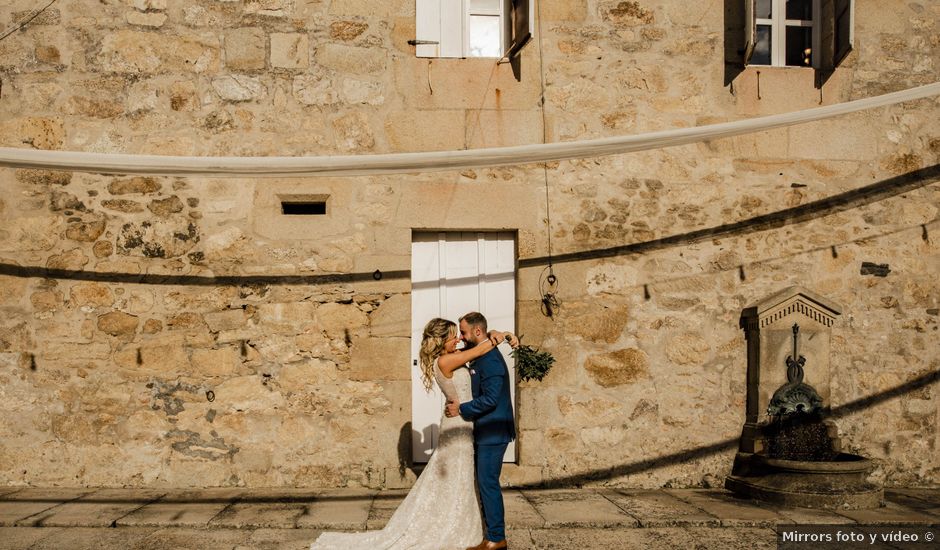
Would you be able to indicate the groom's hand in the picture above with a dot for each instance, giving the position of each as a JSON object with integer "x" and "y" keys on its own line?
{"x": 452, "y": 409}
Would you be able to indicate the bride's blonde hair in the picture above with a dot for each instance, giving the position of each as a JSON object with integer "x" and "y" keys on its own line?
{"x": 436, "y": 332}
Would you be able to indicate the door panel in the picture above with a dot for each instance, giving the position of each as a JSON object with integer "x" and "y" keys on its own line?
{"x": 454, "y": 273}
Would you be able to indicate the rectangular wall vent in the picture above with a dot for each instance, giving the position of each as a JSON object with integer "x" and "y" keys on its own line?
{"x": 317, "y": 208}
{"x": 303, "y": 205}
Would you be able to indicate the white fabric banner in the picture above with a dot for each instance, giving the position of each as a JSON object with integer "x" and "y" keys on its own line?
{"x": 394, "y": 163}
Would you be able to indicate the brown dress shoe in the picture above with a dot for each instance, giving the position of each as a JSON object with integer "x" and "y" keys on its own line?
{"x": 490, "y": 545}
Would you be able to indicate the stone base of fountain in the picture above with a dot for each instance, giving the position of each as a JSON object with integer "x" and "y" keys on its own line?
{"x": 839, "y": 483}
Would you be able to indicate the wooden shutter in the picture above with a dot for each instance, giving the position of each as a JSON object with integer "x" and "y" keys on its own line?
{"x": 750, "y": 29}
{"x": 518, "y": 18}
{"x": 835, "y": 29}
{"x": 428, "y": 28}
{"x": 844, "y": 29}
{"x": 439, "y": 28}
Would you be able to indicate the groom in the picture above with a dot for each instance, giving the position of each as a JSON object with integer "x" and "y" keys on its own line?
{"x": 493, "y": 426}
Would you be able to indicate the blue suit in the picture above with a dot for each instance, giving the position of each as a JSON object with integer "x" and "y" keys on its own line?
{"x": 493, "y": 429}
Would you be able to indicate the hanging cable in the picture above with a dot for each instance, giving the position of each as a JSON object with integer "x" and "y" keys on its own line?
{"x": 549, "y": 289}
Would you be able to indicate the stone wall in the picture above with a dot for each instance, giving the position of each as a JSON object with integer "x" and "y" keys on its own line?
{"x": 164, "y": 331}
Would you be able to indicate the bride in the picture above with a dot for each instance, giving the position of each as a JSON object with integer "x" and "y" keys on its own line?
{"x": 442, "y": 510}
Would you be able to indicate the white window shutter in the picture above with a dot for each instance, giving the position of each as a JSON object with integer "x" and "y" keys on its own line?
{"x": 427, "y": 28}
{"x": 750, "y": 29}
{"x": 518, "y": 18}
{"x": 452, "y": 21}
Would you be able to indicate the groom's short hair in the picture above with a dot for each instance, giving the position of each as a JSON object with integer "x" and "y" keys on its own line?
{"x": 475, "y": 319}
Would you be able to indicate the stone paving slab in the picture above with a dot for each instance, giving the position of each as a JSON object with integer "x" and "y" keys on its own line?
{"x": 654, "y": 508}
{"x": 648, "y": 539}
{"x": 24, "y": 503}
{"x": 731, "y": 511}
{"x": 924, "y": 501}
{"x": 280, "y": 539}
{"x": 189, "y": 539}
{"x": 519, "y": 511}
{"x": 340, "y": 509}
{"x": 893, "y": 513}
{"x": 811, "y": 516}
{"x": 23, "y": 537}
{"x": 91, "y": 538}
{"x": 567, "y": 508}
{"x": 383, "y": 506}
{"x": 99, "y": 509}
{"x": 193, "y": 508}
{"x": 280, "y": 508}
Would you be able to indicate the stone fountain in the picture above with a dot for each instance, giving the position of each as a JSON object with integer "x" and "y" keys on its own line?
{"x": 790, "y": 452}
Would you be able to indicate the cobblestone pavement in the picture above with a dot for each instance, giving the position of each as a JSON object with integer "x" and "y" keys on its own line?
{"x": 208, "y": 519}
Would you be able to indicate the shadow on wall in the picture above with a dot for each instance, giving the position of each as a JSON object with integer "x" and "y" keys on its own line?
{"x": 681, "y": 457}
{"x": 575, "y": 480}
{"x": 869, "y": 194}
{"x": 862, "y": 196}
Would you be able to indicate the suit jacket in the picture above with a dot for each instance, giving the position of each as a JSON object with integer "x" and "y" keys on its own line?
{"x": 491, "y": 408}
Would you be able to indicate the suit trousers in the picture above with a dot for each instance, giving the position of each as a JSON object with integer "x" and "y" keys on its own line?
{"x": 489, "y": 465}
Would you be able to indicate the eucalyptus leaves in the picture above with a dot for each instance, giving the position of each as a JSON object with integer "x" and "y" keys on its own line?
{"x": 531, "y": 363}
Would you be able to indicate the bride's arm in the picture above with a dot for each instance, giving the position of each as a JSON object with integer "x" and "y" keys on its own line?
{"x": 450, "y": 362}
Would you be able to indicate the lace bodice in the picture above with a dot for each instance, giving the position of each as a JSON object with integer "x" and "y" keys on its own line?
{"x": 456, "y": 388}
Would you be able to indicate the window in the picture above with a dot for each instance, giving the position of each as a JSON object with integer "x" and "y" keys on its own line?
{"x": 784, "y": 33}
{"x": 798, "y": 33}
{"x": 472, "y": 28}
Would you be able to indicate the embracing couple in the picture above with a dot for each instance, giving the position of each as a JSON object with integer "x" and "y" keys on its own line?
{"x": 442, "y": 510}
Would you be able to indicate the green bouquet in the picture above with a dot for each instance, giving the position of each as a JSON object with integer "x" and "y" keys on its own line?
{"x": 532, "y": 363}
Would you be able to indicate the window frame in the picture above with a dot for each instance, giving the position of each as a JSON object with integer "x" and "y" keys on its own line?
{"x": 442, "y": 27}
{"x": 778, "y": 24}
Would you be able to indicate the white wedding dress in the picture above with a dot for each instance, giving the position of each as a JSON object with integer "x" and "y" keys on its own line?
{"x": 442, "y": 510}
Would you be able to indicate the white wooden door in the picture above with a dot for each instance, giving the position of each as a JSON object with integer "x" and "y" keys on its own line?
{"x": 452, "y": 274}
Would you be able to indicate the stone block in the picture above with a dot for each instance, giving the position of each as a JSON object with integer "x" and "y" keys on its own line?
{"x": 355, "y": 91}
{"x": 86, "y": 232}
{"x": 617, "y": 368}
{"x": 130, "y": 51}
{"x": 380, "y": 359}
{"x": 239, "y": 88}
{"x": 426, "y": 131}
{"x": 313, "y": 372}
{"x": 353, "y": 133}
{"x": 466, "y": 84}
{"x": 138, "y": 184}
{"x": 378, "y": 10}
{"x": 688, "y": 349}
{"x": 118, "y": 323}
{"x": 314, "y": 89}
{"x": 37, "y": 132}
{"x": 392, "y": 317}
{"x": 347, "y": 30}
{"x": 341, "y": 321}
{"x": 503, "y": 128}
{"x": 247, "y": 393}
{"x": 93, "y": 107}
{"x": 566, "y": 11}
{"x": 90, "y": 294}
{"x": 230, "y": 319}
{"x": 352, "y": 59}
{"x": 149, "y": 19}
{"x": 290, "y": 50}
{"x": 72, "y": 260}
{"x": 833, "y": 139}
{"x": 215, "y": 362}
